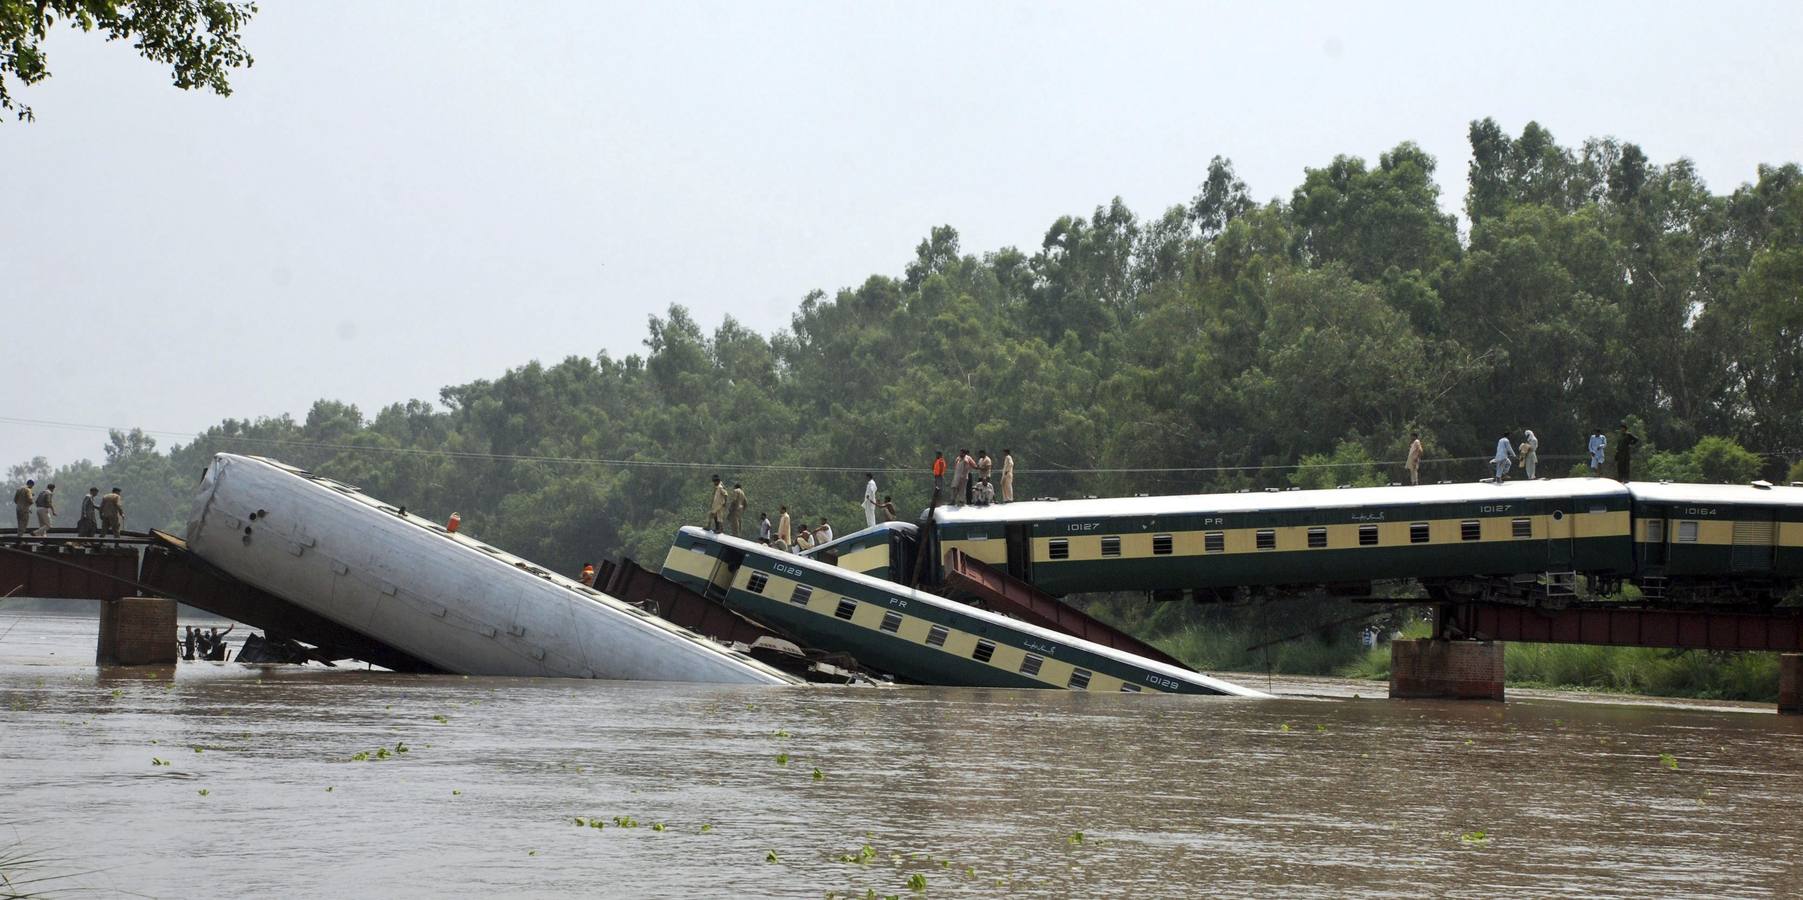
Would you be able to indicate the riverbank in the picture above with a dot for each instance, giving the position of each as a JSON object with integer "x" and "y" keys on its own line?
{"x": 1325, "y": 638}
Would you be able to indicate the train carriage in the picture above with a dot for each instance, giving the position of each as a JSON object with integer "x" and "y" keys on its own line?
{"x": 885, "y": 550}
{"x": 1707, "y": 541}
{"x": 1350, "y": 535}
{"x": 916, "y": 636}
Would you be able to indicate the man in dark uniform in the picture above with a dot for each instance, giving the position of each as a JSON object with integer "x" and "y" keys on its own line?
{"x": 1624, "y": 453}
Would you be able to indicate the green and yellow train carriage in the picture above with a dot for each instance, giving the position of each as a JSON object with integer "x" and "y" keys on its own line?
{"x": 1721, "y": 542}
{"x": 1346, "y": 536}
{"x": 884, "y": 550}
{"x": 915, "y": 636}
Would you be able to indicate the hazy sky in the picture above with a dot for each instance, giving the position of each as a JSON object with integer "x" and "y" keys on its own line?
{"x": 401, "y": 196}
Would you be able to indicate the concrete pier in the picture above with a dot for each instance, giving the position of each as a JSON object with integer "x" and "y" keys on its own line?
{"x": 1790, "y": 684}
{"x": 136, "y": 631}
{"x": 1457, "y": 670}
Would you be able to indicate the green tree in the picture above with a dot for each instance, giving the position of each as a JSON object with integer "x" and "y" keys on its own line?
{"x": 198, "y": 39}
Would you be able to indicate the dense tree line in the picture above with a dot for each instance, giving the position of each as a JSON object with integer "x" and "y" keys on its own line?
{"x": 1221, "y": 336}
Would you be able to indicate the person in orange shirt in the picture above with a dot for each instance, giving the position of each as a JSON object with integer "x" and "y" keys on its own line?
{"x": 588, "y": 574}
{"x": 938, "y": 470}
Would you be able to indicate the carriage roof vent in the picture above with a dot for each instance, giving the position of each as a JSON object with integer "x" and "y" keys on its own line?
{"x": 1796, "y": 484}
{"x": 1272, "y": 490}
{"x": 1763, "y": 484}
{"x": 1345, "y": 486}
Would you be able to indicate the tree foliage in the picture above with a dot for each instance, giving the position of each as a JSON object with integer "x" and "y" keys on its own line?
{"x": 198, "y": 39}
{"x": 1210, "y": 347}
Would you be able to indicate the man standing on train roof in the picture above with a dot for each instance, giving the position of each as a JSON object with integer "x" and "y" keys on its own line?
{"x": 888, "y": 508}
{"x": 960, "y": 477}
{"x": 716, "y": 506}
{"x": 22, "y": 500}
{"x": 736, "y": 508}
{"x": 938, "y": 470}
{"x": 1598, "y": 444}
{"x": 782, "y": 527}
{"x": 1530, "y": 453}
{"x": 823, "y": 534}
{"x": 1624, "y": 453}
{"x": 1007, "y": 475}
{"x": 1414, "y": 461}
{"x": 1505, "y": 451}
{"x": 970, "y": 476}
{"x": 46, "y": 509}
{"x": 112, "y": 513}
{"x": 764, "y": 529}
{"x": 869, "y": 500}
{"x": 985, "y": 465}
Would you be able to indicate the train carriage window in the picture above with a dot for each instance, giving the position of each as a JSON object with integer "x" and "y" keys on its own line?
{"x": 1317, "y": 537}
{"x": 1161, "y": 545}
{"x": 1030, "y": 665}
{"x": 1687, "y": 532}
{"x": 985, "y": 649}
{"x": 1598, "y": 509}
{"x": 757, "y": 583}
{"x": 1129, "y": 688}
{"x": 1471, "y": 530}
{"x": 1111, "y": 546}
{"x": 1266, "y": 539}
{"x": 1521, "y": 528}
{"x": 847, "y": 608}
{"x": 892, "y": 621}
{"x": 1214, "y": 542}
{"x": 936, "y": 636}
{"x": 802, "y": 595}
{"x": 1655, "y": 531}
{"x": 1079, "y": 680}
{"x": 1367, "y": 535}
{"x": 1418, "y": 533}
{"x": 1059, "y": 548}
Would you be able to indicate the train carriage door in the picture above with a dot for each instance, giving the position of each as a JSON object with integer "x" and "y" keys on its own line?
{"x": 1020, "y": 551}
{"x": 1754, "y": 529}
{"x": 1558, "y": 540}
{"x": 720, "y": 581}
{"x": 1653, "y": 537}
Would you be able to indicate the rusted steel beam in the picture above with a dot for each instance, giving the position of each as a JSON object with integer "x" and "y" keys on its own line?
{"x": 634, "y": 584}
{"x": 63, "y": 570}
{"x": 1780, "y": 630}
{"x": 1011, "y": 596}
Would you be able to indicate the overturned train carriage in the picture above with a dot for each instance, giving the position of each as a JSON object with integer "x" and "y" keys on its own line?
{"x": 916, "y": 636}
{"x": 448, "y": 599}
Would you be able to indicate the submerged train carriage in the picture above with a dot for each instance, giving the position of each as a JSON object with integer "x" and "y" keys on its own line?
{"x": 916, "y": 636}
{"x": 1350, "y": 535}
{"x": 884, "y": 551}
{"x": 447, "y": 599}
{"x": 1717, "y": 542}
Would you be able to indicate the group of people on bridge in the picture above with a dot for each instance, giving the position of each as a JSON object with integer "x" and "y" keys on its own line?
{"x": 100, "y": 514}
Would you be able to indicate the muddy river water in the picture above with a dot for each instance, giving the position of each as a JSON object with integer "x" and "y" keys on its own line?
{"x": 221, "y": 779}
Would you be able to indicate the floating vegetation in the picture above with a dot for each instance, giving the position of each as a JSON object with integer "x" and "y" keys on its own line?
{"x": 158, "y": 761}
{"x": 204, "y": 792}
{"x": 626, "y": 822}
{"x": 705, "y": 828}
{"x": 1285, "y": 727}
{"x": 1669, "y": 761}
{"x": 1474, "y": 838}
{"x": 117, "y": 693}
{"x": 782, "y": 759}
{"x": 1076, "y": 837}
{"x": 400, "y": 746}
{"x": 456, "y": 793}
{"x": 531, "y": 852}
{"x": 917, "y": 882}
{"x": 782, "y": 732}
{"x": 360, "y": 756}
{"x": 819, "y": 775}
{"x": 196, "y": 749}
{"x": 442, "y": 719}
{"x": 970, "y": 871}
{"x": 657, "y": 826}
{"x": 769, "y": 855}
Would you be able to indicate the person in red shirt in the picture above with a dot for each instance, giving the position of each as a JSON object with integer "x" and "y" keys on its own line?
{"x": 938, "y": 470}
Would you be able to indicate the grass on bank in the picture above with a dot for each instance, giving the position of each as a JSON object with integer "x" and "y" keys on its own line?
{"x": 1320, "y": 641}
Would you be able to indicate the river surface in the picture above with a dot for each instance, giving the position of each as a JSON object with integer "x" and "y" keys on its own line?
{"x": 980, "y": 792}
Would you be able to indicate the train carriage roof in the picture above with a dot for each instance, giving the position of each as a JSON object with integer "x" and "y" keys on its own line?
{"x": 1739, "y": 494}
{"x": 1464, "y": 492}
